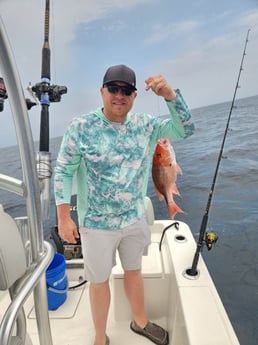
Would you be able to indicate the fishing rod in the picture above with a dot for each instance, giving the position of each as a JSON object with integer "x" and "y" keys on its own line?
{"x": 210, "y": 237}
{"x": 46, "y": 93}
{"x": 45, "y": 86}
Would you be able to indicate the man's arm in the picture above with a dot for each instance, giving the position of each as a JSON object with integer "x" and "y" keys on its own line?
{"x": 180, "y": 125}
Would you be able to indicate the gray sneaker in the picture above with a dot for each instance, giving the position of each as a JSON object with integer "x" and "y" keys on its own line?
{"x": 151, "y": 331}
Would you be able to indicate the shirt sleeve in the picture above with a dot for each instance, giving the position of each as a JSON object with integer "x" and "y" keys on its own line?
{"x": 67, "y": 163}
{"x": 179, "y": 125}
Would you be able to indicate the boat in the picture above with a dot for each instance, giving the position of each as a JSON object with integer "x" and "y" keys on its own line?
{"x": 181, "y": 298}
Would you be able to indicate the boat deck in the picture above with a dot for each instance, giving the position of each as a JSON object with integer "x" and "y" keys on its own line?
{"x": 190, "y": 309}
{"x": 71, "y": 323}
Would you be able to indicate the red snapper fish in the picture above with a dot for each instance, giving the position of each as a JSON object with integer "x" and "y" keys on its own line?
{"x": 164, "y": 174}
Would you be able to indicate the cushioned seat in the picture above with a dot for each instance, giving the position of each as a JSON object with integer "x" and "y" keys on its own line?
{"x": 11, "y": 248}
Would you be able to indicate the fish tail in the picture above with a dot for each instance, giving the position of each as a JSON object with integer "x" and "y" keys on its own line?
{"x": 173, "y": 209}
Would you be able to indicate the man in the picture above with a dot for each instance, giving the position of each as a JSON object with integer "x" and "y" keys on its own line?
{"x": 110, "y": 150}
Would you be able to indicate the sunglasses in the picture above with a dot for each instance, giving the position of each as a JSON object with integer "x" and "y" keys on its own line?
{"x": 113, "y": 88}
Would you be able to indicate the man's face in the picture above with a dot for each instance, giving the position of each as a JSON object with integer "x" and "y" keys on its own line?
{"x": 118, "y": 100}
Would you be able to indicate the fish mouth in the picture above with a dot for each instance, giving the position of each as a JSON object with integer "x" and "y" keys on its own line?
{"x": 164, "y": 141}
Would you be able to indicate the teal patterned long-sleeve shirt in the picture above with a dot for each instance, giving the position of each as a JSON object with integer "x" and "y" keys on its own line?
{"x": 111, "y": 162}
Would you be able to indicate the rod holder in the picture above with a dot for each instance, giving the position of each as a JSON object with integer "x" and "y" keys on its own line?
{"x": 44, "y": 170}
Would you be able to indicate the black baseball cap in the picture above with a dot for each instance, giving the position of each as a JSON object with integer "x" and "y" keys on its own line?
{"x": 120, "y": 73}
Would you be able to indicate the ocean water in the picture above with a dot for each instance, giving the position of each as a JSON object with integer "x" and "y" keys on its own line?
{"x": 233, "y": 215}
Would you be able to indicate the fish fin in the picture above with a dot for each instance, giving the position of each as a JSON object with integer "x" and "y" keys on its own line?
{"x": 174, "y": 189}
{"x": 173, "y": 209}
{"x": 159, "y": 195}
{"x": 179, "y": 170}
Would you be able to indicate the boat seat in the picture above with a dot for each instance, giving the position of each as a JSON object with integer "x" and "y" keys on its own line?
{"x": 12, "y": 258}
{"x": 149, "y": 211}
{"x": 18, "y": 279}
{"x": 11, "y": 248}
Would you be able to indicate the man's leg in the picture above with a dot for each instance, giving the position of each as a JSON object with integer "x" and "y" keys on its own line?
{"x": 100, "y": 302}
{"x": 134, "y": 289}
{"x": 131, "y": 249}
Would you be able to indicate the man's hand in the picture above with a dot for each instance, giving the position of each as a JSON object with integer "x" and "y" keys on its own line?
{"x": 67, "y": 229}
{"x": 160, "y": 86}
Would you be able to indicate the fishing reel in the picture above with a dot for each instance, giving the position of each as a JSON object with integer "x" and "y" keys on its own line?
{"x": 210, "y": 239}
{"x": 3, "y": 94}
{"x": 54, "y": 91}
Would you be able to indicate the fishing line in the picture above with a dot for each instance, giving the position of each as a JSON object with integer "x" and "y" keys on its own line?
{"x": 193, "y": 270}
{"x": 53, "y": 41}
{"x": 158, "y": 104}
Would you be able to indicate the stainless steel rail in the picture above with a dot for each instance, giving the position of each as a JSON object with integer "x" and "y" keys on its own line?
{"x": 30, "y": 178}
{"x": 10, "y": 316}
{"x": 12, "y": 184}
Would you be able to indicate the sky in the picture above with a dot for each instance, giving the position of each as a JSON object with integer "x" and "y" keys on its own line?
{"x": 196, "y": 45}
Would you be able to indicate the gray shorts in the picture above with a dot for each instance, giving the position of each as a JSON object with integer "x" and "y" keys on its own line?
{"x": 99, "y": 249}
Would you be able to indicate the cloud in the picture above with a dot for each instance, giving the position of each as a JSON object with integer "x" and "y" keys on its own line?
{"x": 250, "y": 19}
{"x": 197, "y": 49}
{"x": 208, "y": 73}
{"x": 24, "y": 23}
{"x": 171, "y": 30}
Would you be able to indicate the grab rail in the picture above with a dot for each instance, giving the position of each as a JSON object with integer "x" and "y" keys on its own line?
{"x": 10, "y": 316}
{"x": 12, "y": 184}
{"x": 30, "y": 178}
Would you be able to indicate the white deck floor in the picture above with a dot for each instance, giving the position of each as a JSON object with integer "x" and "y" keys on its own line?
{"x": 190, "y": 310}
{"x": 71, "y": 323}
